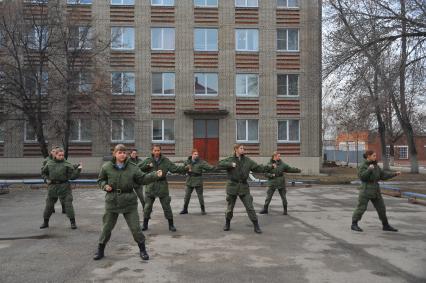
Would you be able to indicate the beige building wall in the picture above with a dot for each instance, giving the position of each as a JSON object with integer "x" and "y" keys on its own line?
{"x": 309, "y": 159}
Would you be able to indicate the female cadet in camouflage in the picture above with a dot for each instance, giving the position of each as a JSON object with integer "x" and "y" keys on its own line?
{"x": 160, "y": 188}
{"x": 51, "y": 157}
{"x": 370, "y": 174}
{"x": 118, "y": 178}
{"x": 133, "y": 154}
{"x": 238, "y": 167}
{"x": 58, "y": 172}
{"x": 194, "y": 180}
{"x": 276, "y": 180}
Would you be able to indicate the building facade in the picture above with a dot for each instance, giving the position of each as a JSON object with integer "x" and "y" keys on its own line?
{"x": 204, "y": 74}
{"x": 351, "y": 146}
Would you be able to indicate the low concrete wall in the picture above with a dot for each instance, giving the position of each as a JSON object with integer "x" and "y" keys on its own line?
{"x": 91, "y": 165}
{"x": 32, "y": 166}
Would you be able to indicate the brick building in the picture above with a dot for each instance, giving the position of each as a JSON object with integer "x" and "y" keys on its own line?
{"x": 203, "y": 73}
{"x": 370, "y": 141}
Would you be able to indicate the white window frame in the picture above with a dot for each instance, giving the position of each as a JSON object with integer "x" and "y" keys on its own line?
{"x": 399, "y": 147}
{"x": 2, "y": 133}
{"x": 78, "y": 2}
{"x": 122, "y": 131}
{"x": 89, "y": 37}
{"x": 162, "y": 84}
{"x": 80, "y": 82}
{"x": 162, "y": 38}
{"x": 288, "y": 86}
{"x": 246, "y": 140}
{"x": 246, "y": 30}
{"x": 26, "y": 125}
{"x": 247, "y": 86}
{"x": 122, "y": 83}
{"x": 163, "y": 5}
{"x": 205, "y": 39}
{"x": 163, "y": 141}
{"x": 206, "y": 93}
{"x": 44, "y": 91}
{"x": 79, "y": 132}
{"x": 288, "y": 131}
{"x": 298, "y": 40}
{"x": 207, "y": 5}
{"x": 246, "y": 4}
{"x": 286, "y": 5}
{"x": 388, "y": 151}
{"x": 122, "y": 36}
{"x": 34, "y": 35}
{"x": 122, "y": 3}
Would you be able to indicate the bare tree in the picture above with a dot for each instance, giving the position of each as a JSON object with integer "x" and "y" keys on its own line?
{"x": 52, "y": 67}
{"x": 371, "y": 28}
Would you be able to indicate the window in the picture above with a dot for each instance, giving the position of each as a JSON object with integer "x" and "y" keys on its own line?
{"x": 162, "y": 2}
{"x": 288, "y": 131}
{"x": 29, "y": 133}
{"x": 246, "y": 3}
{"x": 402, "y": 152}
{"x": 81, "y": 37}
{"x": 163, "y": 130}
{"x": 247, "y": 131}
{"x": 122, "y": 130}
{"x": 82, "y": 2}
{"x": 287, "y": 3}
{"x": 85, "y": 82}
{"x": 288, "y": 39}
{"x": 205, "y": 3}
{"x": 123, "y": 83}
{"x": 247, "y": 40}
{"x": 80, "y": 130}
{"x": 36, "y": 85}
{"x": 1, "y": 133}
{"x": 247, "y": 85}
{"x": 38, "y": 37}
{"x": 162, "y": 38}
{"x": 123, "y": 38}
{"x": 163, "y": 83}
{"x": 206, "y": 84}
{"x": 122, "y": 2}
{"x": 287, "y": 85}
{"x": 2, "y": 40}
{"x": 387, "y": 151}
{"x": 205, "y": 39}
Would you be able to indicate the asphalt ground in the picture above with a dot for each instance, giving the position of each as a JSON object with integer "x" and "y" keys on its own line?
{"x": 313, "y": 243}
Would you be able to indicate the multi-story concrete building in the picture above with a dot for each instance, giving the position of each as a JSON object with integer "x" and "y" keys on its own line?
{"x": 204, "y": 74}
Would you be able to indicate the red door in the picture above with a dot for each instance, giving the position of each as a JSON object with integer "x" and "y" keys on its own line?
{"x": 206, "y": 139}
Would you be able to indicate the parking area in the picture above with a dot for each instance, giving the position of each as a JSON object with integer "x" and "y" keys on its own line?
{"x": 313, "y": 244}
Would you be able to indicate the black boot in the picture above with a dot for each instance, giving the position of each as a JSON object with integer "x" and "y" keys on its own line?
{"x": 227, "y": 226}
{"x": 145, "y": 224}
{"x": 184, "y": 210}
{"x": 142, "y": 251}
{"x": 387, "y": 227}
{"x": 285, "y": 210}
{"x": 45, "y": 224}
{"x": 256, "y": 227}
{"x": 63, "y": 209}
{"x": 355, "y": 226}
{"x": 203, "y": 210}
{"x": 171, "y": 226}
{"x": 73, "y": 225}
{"x": 100, "y": 253}
{"x": 264, "y": 210}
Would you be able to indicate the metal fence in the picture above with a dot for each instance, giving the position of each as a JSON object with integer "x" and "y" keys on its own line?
{"x": 343, "y": 156}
